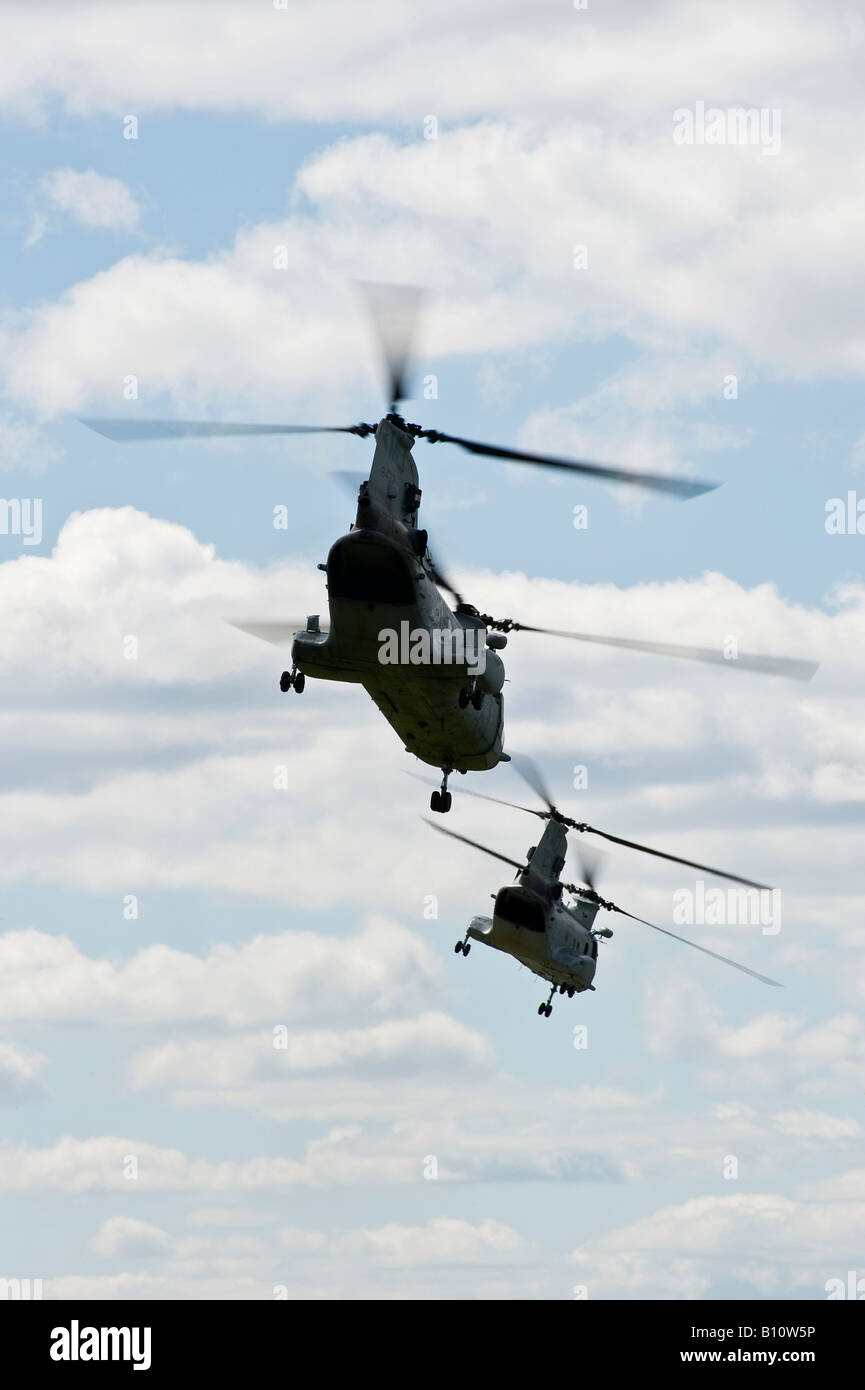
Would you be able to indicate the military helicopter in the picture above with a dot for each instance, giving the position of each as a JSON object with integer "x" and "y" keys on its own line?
{"x": 558, "y": 940}
{"x": 433, "y": 671}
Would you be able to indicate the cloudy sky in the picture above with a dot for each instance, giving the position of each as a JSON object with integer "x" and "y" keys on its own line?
{"x": 197, "y": 869}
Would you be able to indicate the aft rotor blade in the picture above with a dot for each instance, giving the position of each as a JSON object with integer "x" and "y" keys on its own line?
{"x": 394, "y": 313}
{"x": 706, "y": 952}
{"x": 132, "y": 431}
{"x": 531, "y": 775}
{"x": 474, "y": 844}
{"x": 275, "y": 632}
{"x": 590, "y": 860}
{"x": 791, "y": 667}
{"x": 673, "y": 858}
{"x": 656, "y": 482}
{"x": 441, "y": 579}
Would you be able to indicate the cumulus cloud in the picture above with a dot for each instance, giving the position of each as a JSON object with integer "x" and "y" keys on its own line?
{"x": 124, "y": 1235}
{"x": 294, "y": 975}
{"x": 94, "y": 200}
{"x": 769, "y": 1245}
{"x": 20, "y": 1070}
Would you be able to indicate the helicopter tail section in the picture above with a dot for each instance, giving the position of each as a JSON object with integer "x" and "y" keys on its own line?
{"x": 393, "y": 479}
{"x": 547, "y": 859}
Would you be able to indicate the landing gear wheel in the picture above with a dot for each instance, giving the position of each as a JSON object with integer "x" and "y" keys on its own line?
{"x": 299, "y": 683}
{"x": 458, "y": 948}
{"x": 466, "y": 948}
{"x": 571, "y": 993}
{"x": 542, "y": 1008}
{"x": 285, "y": 681}
{"x": 445, "y": 800}
{"x": 478, "y": 699}
{"x": 548, "y": 1009}
{"x": 435, "y": 801}
{"x": 463, "y": 699}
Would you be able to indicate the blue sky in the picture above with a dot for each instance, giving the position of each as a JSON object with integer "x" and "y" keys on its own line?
{"x": 599, "y": 1168}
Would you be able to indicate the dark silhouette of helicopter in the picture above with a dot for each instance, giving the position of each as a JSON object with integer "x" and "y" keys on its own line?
{"x": 434, "y": 671}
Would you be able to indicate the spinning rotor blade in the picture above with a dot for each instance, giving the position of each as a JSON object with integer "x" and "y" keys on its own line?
{"x": 279, "y": 634}
{"x": 441, "y": 577}
{"x": 394, "y": 311}
{"x": 348, "y": 479}
{"x": 656, "y": 482}
{"x": 590, "y": 860}
{"x": 474, "y": 844}
{"x": 791, "y": 667}
{"x": 530, "y": 773}
{"x": 481, "y": 796}
{"x": 706, "y": 952}
{"x": 673, "y": 858}
{"x": 129, "y": 431}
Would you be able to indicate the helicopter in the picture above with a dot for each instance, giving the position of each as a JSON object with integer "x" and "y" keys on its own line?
{"x": 531, "y": 922}
{"x": 433, "y": 671}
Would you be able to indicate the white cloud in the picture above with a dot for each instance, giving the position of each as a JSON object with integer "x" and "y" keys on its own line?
{"x": 19, "y": 1073}
{"x": 124, "y": 1235}
{"x": 93, "y": 199}
{"x": 429, "y": 1042}
{"x": 488, "y": 55}
{"x": 774, "y": 1245}
{"x": 294, "y": 975}
{"x": 444, "y": 1240}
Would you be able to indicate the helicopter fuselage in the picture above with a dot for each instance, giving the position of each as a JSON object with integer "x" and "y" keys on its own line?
{"x": 426, "y": 667}
{"x": 531, "y": 923}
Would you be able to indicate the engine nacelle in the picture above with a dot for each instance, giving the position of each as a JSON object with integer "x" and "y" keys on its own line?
{"x": 493, "y": 676}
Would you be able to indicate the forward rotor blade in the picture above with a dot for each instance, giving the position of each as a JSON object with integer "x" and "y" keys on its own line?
{"x": 793, "y": 668}
{"x": 131, "y": 431}
{"x": 673, "y": 858}
{"x": 279, "y": 634}
{"x": 656, "y": 482}
{"x": 394, "y": 312}
{"x": 706, "y": 952}
{"x": 474, "y": 844}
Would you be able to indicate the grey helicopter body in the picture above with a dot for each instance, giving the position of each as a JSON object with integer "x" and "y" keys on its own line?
{"x": 442, "y": 694}
{"x": 380, "y": 579}
{"x": 557, "y": 939}
{"x": 531, "y": 922}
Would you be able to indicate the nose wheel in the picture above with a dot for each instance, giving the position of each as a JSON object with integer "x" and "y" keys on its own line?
{"x": 462, "y": 947}
{"x": 441, "y": 801}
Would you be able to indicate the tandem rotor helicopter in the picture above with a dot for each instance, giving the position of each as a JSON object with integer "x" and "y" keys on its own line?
{"x": 558, "y": 940}
{"x": 441, "y": 690}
